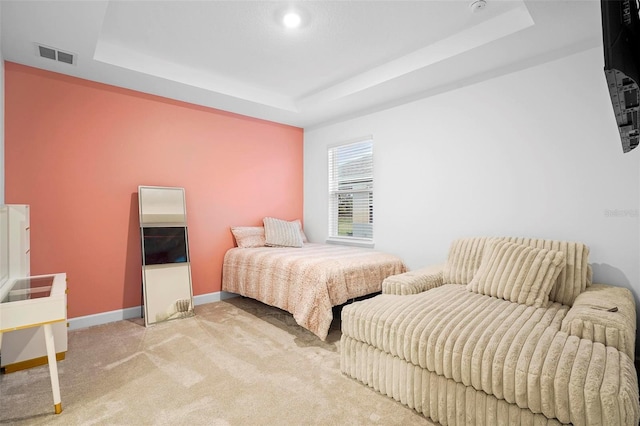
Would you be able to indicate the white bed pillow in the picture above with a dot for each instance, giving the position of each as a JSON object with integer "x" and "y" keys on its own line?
{"x": 282, "y": 233}
{"x": 304, "y": 237}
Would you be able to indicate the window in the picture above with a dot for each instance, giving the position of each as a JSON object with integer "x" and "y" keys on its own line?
{"x": 351, "y": 191}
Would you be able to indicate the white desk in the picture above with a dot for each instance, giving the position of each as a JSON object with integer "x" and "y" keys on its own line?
{"x": 33, "y": 302}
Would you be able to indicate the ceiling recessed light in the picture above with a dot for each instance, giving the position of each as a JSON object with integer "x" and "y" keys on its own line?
{"x": 291, "y": 20}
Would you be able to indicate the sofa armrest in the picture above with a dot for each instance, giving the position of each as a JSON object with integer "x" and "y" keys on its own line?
{"x": 413, "y": 282}
{"x": 604, "y": 314}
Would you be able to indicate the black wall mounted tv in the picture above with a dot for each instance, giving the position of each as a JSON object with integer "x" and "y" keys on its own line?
{"x": 621, "y": 42}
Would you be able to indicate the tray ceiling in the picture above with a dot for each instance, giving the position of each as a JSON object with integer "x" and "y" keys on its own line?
{"x": 347, "y": 58}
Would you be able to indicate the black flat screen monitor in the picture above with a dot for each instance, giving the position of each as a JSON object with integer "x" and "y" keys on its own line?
{"x": 164, "y": 245}
{"x": 621, "y": 42}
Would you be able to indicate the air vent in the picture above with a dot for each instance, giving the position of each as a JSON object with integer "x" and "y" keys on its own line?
{"x": 67, "y": 58}
{"x": 45, "y": 52}
{"x": 56, "y": 54}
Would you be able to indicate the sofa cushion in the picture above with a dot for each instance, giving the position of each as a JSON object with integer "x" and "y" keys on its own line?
{"x": 575, "y": 277}
{"x": 451, "y": 331}
{"x": 465, "y": 255}
{"x": 518, "y": 273}
{"x": 463, "y": 260}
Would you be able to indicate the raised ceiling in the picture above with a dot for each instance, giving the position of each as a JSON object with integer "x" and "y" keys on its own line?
{"x": 346, "y": 59}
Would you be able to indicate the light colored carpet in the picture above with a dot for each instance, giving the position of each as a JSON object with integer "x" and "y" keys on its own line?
{"x": 237, "y": 362}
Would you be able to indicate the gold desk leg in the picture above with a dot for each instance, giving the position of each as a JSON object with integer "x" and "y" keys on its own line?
{"x": 58, "y": 408}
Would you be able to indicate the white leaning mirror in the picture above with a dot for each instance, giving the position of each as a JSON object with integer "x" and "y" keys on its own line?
{"x": 166, "y": 268}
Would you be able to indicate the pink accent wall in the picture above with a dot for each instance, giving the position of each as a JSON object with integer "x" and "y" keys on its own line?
{"x": 76, "y": 151}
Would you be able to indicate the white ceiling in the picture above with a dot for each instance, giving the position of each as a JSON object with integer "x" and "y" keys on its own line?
{"x": 347, "y": 58}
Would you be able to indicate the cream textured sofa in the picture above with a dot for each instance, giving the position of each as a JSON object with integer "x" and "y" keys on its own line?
{"x": 508, "y": 331}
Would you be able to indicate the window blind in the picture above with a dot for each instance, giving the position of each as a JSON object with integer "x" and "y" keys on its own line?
{"x": 351, "y": 190}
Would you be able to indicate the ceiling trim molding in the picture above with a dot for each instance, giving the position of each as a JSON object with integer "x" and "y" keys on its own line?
{"x": 483, "y": 33}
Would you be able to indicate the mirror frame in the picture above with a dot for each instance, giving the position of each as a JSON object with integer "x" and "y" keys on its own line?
{"x": 166, "y": 265}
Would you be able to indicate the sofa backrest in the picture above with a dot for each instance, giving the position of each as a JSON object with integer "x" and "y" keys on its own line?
{"x": 465, "y": 256}
{"x": 464, "y": 259}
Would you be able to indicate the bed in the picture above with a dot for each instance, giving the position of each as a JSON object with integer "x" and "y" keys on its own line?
{"x": 307, "y": 281}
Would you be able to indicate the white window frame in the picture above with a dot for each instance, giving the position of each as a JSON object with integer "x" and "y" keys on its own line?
{"x": 365, "y": 239}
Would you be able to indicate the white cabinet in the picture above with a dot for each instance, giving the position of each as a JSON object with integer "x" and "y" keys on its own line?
{"x": 19, "y": 241}
{"x": 25, "y": 348}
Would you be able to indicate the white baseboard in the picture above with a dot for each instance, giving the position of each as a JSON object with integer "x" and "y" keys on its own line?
{"x": 201, "y": 299}
{"x": 104, "y": 318}
{"x": 136, "y": 311}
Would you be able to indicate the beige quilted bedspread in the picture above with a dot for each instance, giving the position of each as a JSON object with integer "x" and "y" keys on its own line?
{"x": 514, "y": 352}
{"x": 307, "y": 281}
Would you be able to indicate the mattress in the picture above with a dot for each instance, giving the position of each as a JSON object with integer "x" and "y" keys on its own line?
{"x": 307, "y": 281}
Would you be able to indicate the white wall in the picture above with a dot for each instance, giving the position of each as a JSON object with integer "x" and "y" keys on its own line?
{"x": 534, "y": 153}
